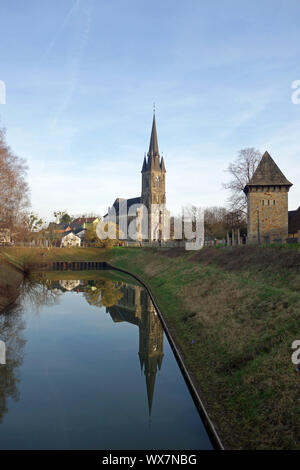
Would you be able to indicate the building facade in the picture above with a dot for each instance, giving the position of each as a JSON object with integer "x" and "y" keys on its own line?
{"x": 267, "y": 196}
{"x": 294, "y": 225}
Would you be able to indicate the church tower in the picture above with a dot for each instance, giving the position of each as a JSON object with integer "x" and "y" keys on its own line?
{"x": 267, "y": 196}
{"x": 154, "y": 187}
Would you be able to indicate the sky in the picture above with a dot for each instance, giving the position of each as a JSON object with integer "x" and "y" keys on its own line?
{"x": 81, "y": 78}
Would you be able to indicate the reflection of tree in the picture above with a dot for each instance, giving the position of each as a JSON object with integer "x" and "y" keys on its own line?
{"x": 38, "y": 292}
{"x": 11, "y": 326}
{"x": 103, "y": 293}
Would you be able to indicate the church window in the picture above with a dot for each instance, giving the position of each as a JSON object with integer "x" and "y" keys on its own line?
{"x": 263, "y": 202}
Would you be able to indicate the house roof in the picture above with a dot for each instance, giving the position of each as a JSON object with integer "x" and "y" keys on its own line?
{"x": 68, "y": 233}
{"x": 268, "y": 174}
{"x": 120, "y": 204}
{"x": 76, "y": 227}
{"x": 84, "y": 220}
{"x": 58, "y": 227}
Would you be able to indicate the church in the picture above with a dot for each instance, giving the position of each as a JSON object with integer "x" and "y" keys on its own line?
{"x": 145, "y": 217}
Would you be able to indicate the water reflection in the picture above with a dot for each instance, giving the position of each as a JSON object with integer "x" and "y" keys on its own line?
{"x": 135, "y": 307}
{"x": 81, "y": 386}
{"x": 126, "y": 303}
{"x": 11, "y": 332}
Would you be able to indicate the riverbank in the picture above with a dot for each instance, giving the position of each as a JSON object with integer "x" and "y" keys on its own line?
{"x": 10, "y": 281}
{"x": 234, "y": 314}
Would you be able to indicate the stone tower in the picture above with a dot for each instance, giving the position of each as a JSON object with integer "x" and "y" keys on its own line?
{"x": 267, "y": 195}
{"x": 154, "y": 188}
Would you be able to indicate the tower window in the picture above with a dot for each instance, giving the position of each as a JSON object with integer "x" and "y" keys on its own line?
{"x": 274, "y": 202}
{"x": 268, "y": 202}
{"x": 263, "y": 202}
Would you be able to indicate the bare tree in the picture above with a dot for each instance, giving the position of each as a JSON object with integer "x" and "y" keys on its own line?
{"x": 218, "y": 220}
{"x": 241, "y": 171}
{"x": 14, "y": 191}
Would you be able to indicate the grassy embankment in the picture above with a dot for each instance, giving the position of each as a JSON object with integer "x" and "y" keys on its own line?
{"x": 10, "y": 280}
{"x": 234, "y": 314}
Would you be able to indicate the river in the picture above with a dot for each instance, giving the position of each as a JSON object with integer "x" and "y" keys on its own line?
{"x": 88, "y": 366}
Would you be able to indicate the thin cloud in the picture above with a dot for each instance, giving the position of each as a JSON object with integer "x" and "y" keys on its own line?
{"x": 86, "y": 14}
{"x": 61, "y": 28}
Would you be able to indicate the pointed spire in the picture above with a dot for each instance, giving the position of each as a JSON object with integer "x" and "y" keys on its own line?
{"x": 159, "y": 360}
{"x": 162, "y": 165}
{"x": 150, "y": 383}
{"x": 141, "y": 361}
{"x": 267, "y": 173}
{"x": 144, "y": 165}
{"x": 153, "y": 147}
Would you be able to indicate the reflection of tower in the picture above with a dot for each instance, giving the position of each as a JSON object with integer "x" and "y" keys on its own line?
{"x": 136, "y": 307}
{"x": 151, "y": 345}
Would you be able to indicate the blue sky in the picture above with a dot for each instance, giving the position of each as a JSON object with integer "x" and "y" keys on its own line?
{"x": 82, "y": 76}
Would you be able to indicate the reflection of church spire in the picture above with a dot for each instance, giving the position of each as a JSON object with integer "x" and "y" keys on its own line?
{"x": 141, "y": 361}
{"x": 136, "y": 307}
{"x": 151, "y": 346}
{"x": 150, "y": 381}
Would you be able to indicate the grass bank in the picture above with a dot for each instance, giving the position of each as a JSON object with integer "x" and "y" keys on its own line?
{"x": 234, "y": 314}
{"x": 10, "y": 281}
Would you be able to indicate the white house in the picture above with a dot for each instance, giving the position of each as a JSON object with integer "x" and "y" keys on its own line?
{"x": 70, "y": 239}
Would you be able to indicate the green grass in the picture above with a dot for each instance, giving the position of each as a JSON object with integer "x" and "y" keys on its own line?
{"x": 10, "y": 280}
{"x": 234, "y": 324}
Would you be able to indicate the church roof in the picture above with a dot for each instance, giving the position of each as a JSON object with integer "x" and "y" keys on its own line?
{"x": 268, "y": 174}
{"x": 120, "y": 204}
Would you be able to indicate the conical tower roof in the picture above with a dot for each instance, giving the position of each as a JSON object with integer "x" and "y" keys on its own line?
{"x": 153, "y": 147}
{"x": 268, "y": 174}
{"x": 144, "y": 165}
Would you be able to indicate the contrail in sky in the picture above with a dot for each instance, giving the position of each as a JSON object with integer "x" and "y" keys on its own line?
{"x": 87, "y": 18}
{"x": 61, "y": 28}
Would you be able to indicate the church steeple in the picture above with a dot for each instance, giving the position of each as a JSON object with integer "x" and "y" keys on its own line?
{"x": 154, "y": 186}
{"x": 153, "y": 147}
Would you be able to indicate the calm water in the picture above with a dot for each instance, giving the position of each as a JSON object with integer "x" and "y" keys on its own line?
{"x": 89, "y": 367}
